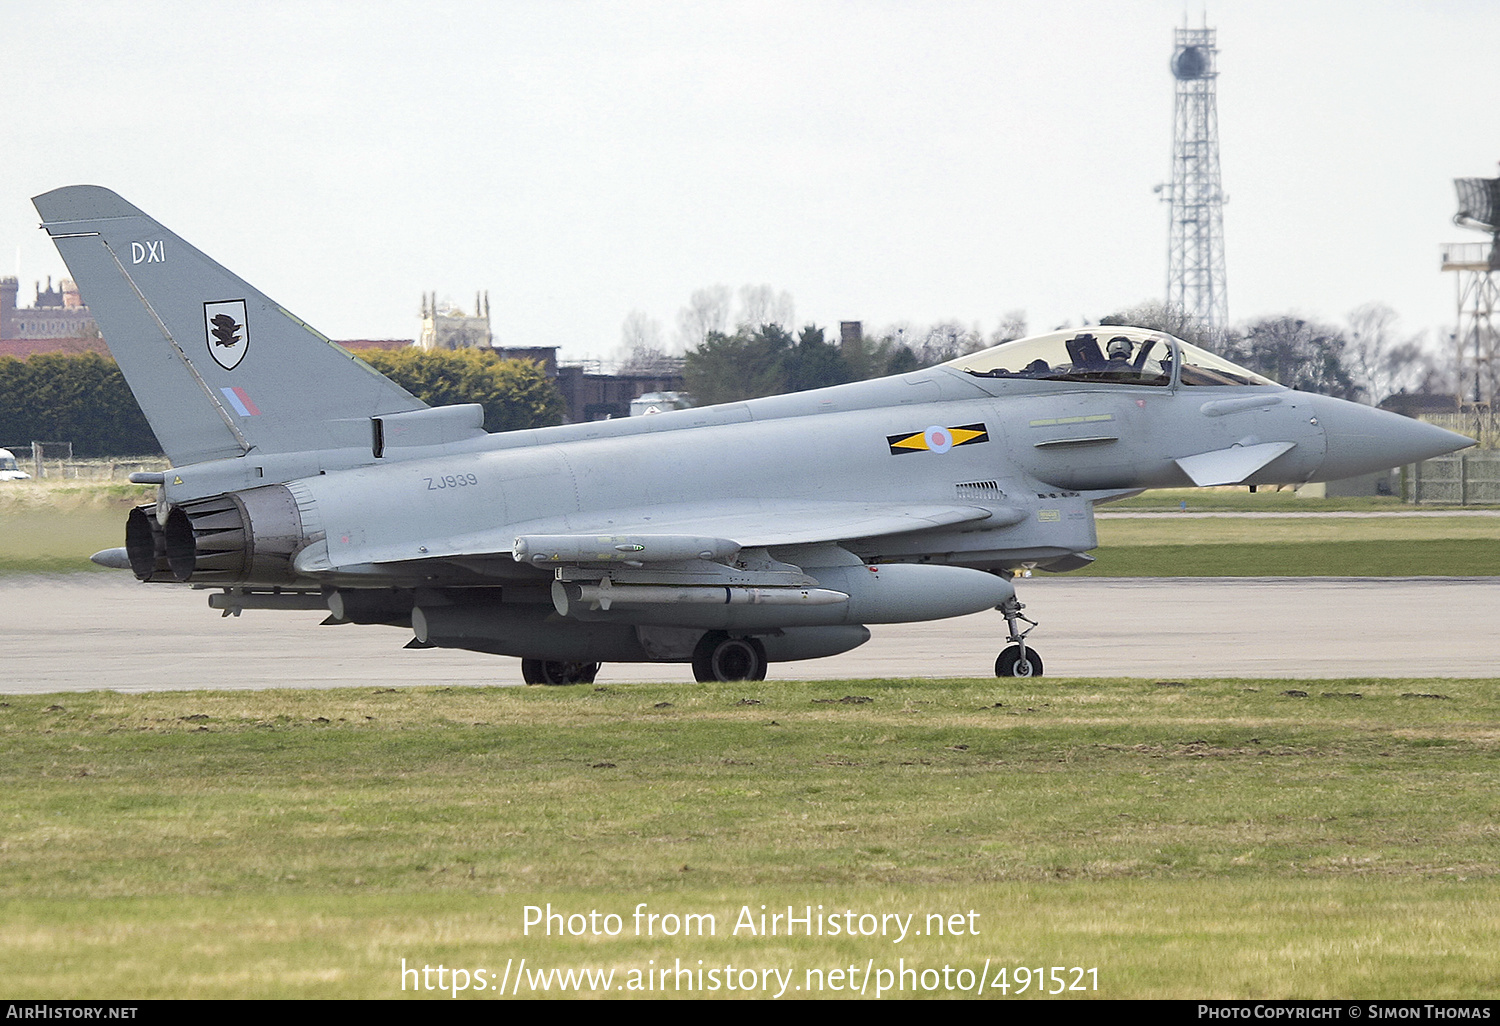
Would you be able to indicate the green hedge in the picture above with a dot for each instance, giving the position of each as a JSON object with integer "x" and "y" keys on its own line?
{"x": 83, "y": 399}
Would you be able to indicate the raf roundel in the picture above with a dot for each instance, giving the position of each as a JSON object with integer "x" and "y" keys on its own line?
{"x": 939, "y": 439}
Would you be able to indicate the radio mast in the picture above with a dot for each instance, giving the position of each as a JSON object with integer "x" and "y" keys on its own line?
{"x": 1477, "y": 265}
{"x": 1195, "y": 248}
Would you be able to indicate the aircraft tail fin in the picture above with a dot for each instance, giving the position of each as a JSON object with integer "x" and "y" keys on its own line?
{"x": 218, "y": 368}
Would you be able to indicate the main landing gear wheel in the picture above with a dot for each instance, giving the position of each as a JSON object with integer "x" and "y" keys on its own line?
{"x": 541, "y": 671}
{"x": 719, "y": 657}
{"x": 1018, "y": 661}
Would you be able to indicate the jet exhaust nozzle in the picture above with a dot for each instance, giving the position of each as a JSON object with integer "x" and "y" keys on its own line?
{"x": 234, "y": 538}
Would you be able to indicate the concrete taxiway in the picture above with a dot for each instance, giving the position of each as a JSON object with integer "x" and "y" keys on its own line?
{"x": 91, "y": 631}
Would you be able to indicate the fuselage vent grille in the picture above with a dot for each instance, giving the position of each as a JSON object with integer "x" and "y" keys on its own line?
{"x": 979, "y": 490}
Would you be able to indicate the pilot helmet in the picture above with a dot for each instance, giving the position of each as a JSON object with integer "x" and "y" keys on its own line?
{"x": 1119, "y": 346}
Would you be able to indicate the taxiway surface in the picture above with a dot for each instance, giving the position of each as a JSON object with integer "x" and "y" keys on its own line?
{"x": 90, "y": 631}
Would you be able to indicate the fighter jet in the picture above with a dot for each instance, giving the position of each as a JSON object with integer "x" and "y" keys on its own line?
{"x": 728, "y": 537}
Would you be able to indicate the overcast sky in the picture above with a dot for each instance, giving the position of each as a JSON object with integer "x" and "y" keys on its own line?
{"x": 881, "y": 161}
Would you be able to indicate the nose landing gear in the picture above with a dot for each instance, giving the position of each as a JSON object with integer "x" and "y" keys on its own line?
{"x": 1017, "y": 660}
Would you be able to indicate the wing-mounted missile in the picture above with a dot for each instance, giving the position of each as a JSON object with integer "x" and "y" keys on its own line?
{"x": 631, "y": 550}
{"x": 676, "y": 580}
{"x": 606, "y": 595}
{"x": 653, "y": 564}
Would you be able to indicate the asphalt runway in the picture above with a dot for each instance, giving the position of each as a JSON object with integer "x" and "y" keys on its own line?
{"x": 87, "y": 632}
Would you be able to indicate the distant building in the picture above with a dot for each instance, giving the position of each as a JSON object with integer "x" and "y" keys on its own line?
{"x": 57, "y": 323}
{"x": 593, "y": 396}
{"x": 446, "y": 327}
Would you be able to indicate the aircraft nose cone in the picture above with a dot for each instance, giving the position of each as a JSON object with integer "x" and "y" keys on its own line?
{"x": 1364, "y": 440}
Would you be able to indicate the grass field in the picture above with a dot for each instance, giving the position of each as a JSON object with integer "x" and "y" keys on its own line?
{"x": 1221, "y": 838}
{"x": 54, "y": 526}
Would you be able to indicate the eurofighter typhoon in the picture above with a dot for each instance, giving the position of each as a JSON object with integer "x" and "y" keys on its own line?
{"x": 729, "y": 537}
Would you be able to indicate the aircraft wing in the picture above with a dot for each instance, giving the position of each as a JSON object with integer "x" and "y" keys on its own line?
{"x": 732, "y": 524}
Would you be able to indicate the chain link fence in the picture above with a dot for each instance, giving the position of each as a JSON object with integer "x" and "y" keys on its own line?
{"x": 1460, "y": 479}
{"x": 53, "y": 461}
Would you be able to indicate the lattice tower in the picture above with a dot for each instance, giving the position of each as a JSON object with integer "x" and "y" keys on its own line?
{"x": 1196, "y": 282}
{"x": 1477, "y": 266}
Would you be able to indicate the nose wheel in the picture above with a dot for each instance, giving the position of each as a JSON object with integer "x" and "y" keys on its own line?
{"x": 1018, "y": 660}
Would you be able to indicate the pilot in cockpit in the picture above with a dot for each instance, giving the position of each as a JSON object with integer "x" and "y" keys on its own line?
{"x": 1119, "y": 352}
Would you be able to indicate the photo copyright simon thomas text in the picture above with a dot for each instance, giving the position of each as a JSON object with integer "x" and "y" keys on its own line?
{"x": 1346, "y": 1010}
{"x": 522, "y": 976}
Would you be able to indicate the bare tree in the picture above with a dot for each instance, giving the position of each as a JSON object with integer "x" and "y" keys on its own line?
{"x": 945, "y": 340}
{"x": 761, "y": 305}
{"x": 641, "y": 346}
{"x": 1380, "y": 357}
{"x": 1012, "y": 326}
{"x": 1436, "y": 370}
{"x": 784, "y": 311}
{"x": 640, "y": 331}
{"x": 1301, "y": 354}
{"x": 707, "y": 312}
{"x": 904, "y": 347}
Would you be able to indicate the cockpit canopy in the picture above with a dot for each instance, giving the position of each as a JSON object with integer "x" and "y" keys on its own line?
{"x": 1113, "y": 354}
